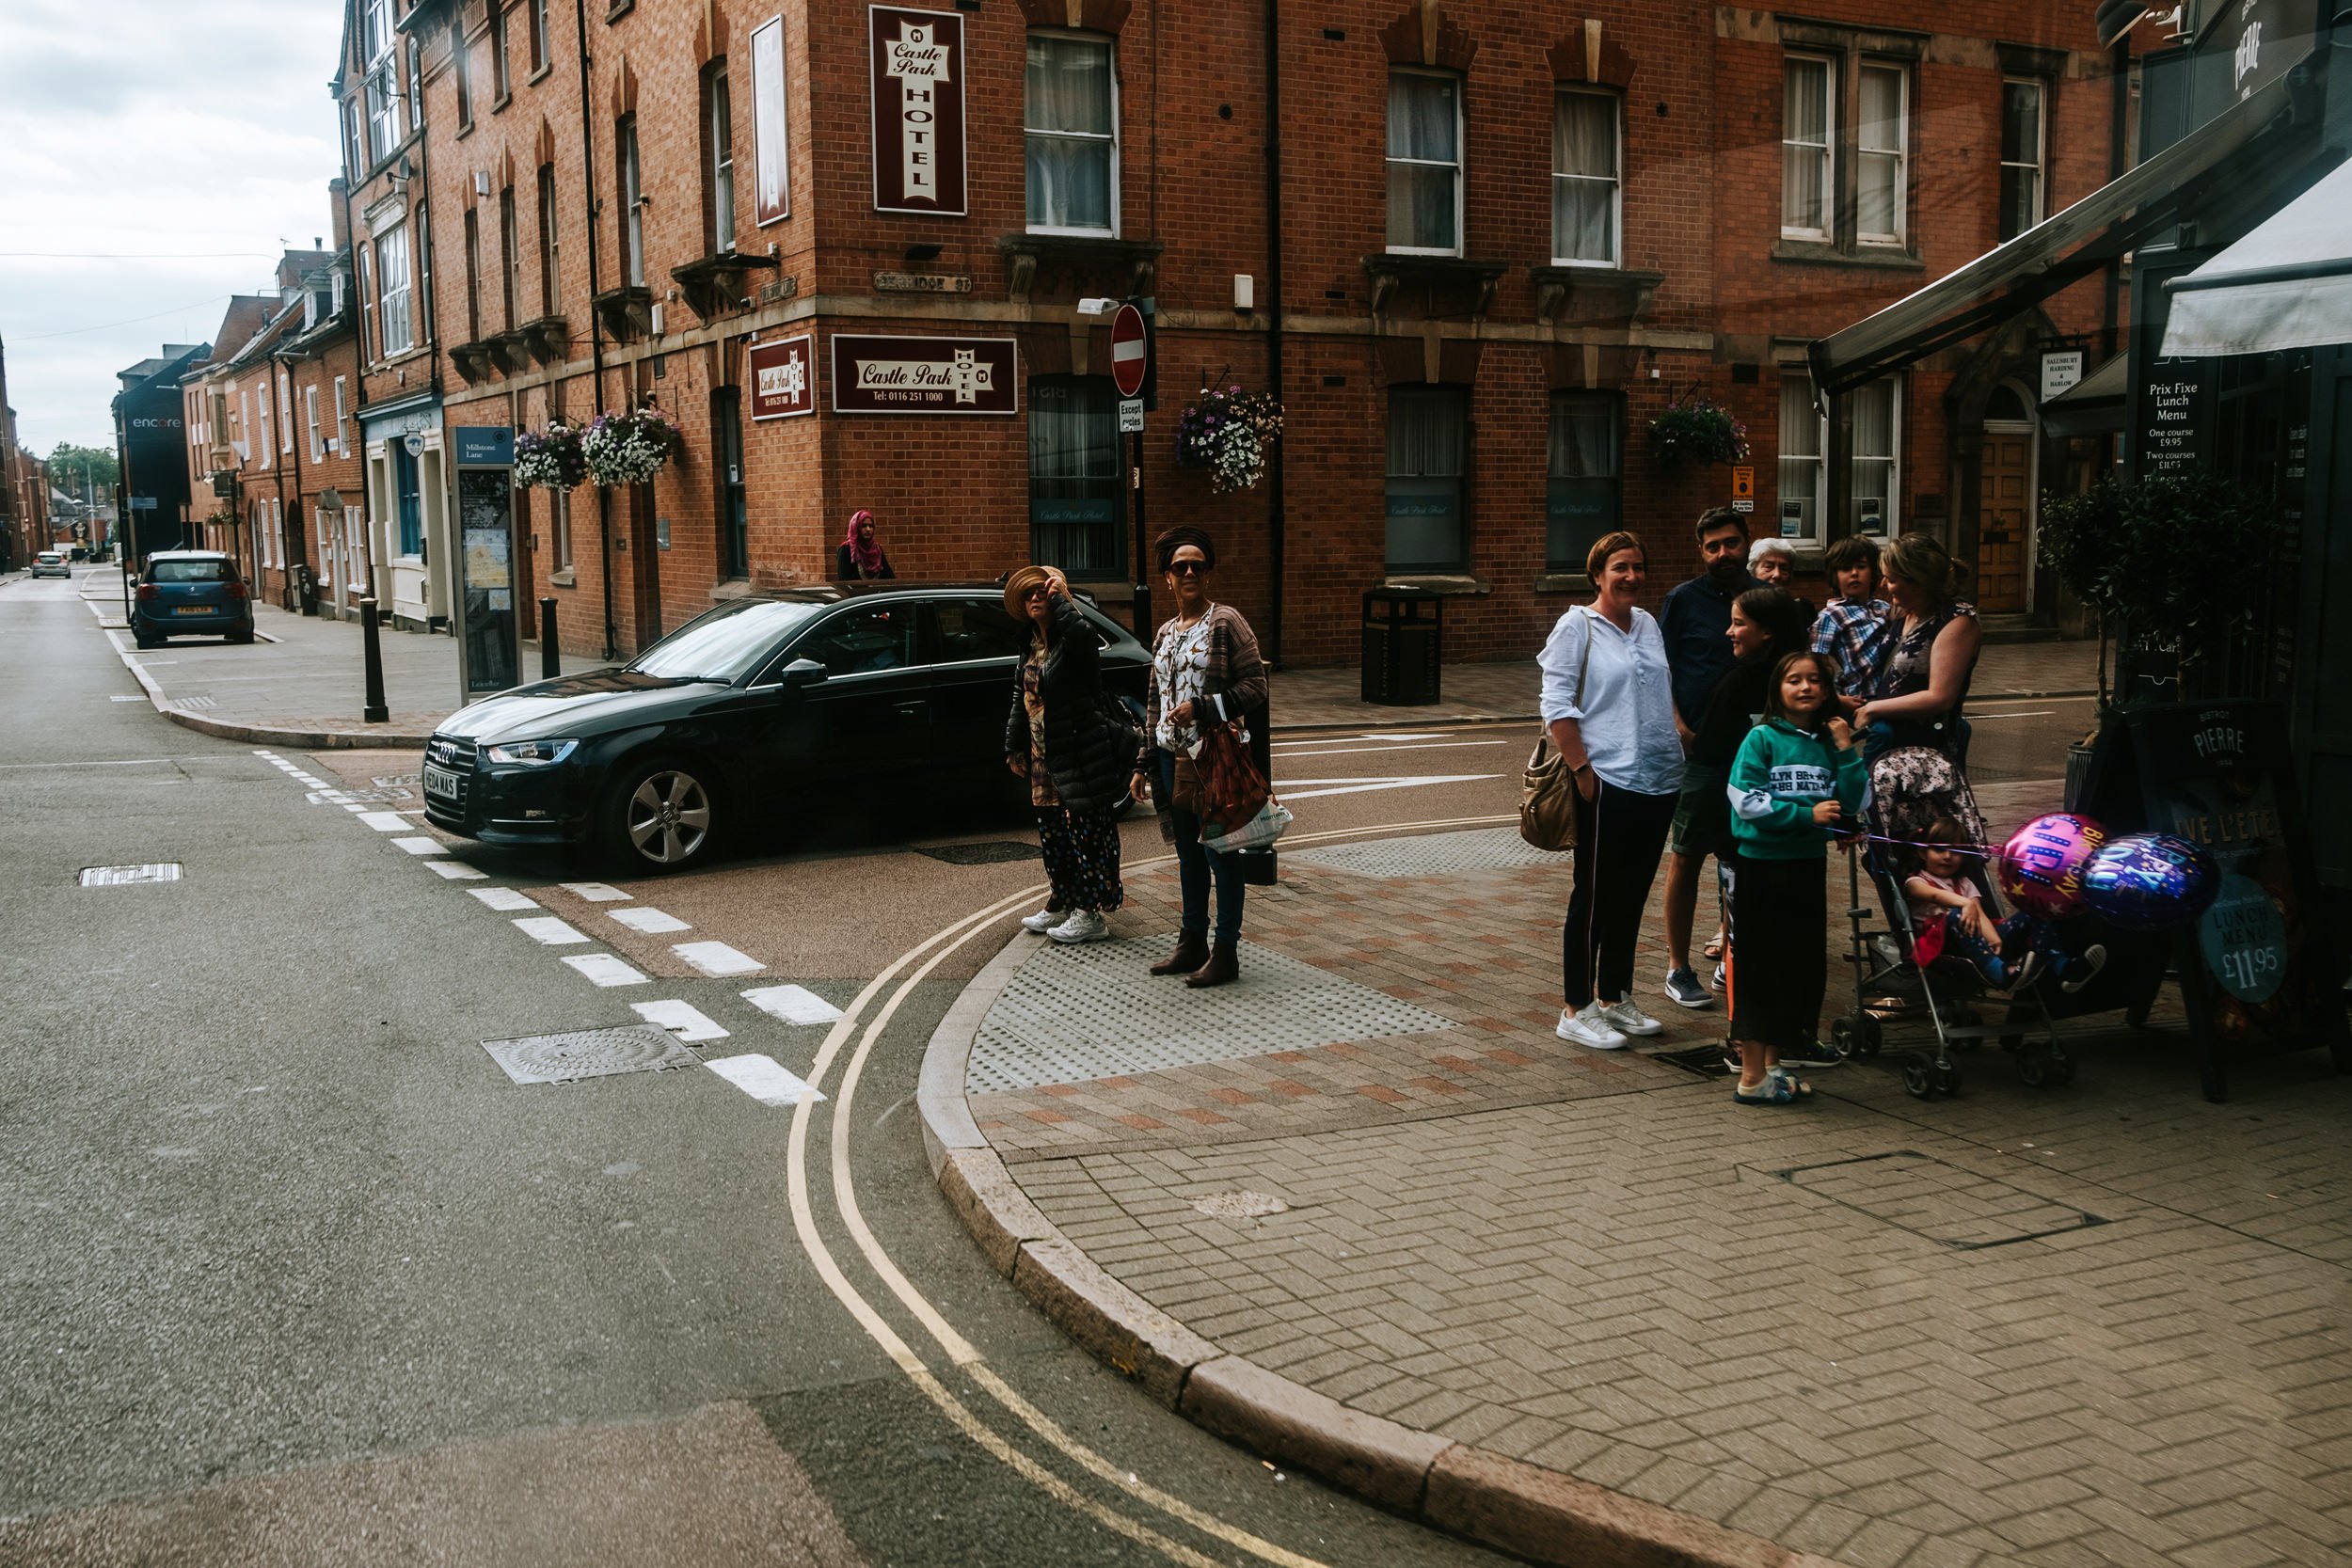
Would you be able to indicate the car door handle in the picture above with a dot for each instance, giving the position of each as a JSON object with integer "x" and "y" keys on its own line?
{"x": 917, "y": 709}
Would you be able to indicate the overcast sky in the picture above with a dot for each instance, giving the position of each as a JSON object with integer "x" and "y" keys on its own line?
{"x": 160, "y": 153}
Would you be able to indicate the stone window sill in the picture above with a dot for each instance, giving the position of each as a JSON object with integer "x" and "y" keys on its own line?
{"x": 1564, "y": 582}
{"x": 1882, "y": 258}
{"x": 567, "y": 578}
{"x": 1453, "y": 584}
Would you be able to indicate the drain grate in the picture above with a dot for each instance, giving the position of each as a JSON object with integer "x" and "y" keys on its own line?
{"x": 124, "y": 876}
{"x": 589, "y": 1054}
{"x": 1433, "y": 854}
{"x": 1938, "y": 1201}
{"x": 1705, "y": 1060}
{"x": 994, "y": 852}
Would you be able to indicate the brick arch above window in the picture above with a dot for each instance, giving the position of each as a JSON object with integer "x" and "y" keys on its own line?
{"x": 1093, "y": 16}
{"x": 1589, "y": 54}
{"x": 544, "y": 154}
{"x": 503, "y": 170}
{"x": 1424, "y": 34}
{"x": 624, "y": 88}
{"x": 710, "y": 34}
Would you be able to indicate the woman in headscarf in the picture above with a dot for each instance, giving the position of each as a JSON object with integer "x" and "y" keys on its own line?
{"x": 1205, "y": 670}
{"x": 861, "y": 550}
{"x": 1061, "y": 737}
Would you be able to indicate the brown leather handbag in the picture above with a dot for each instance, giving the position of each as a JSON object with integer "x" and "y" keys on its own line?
{"x": 1547, "y": 789}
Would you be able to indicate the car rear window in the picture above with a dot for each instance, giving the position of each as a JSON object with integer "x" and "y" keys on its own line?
{"x": 50, "y": 558}
{"x": 191, "y": 571}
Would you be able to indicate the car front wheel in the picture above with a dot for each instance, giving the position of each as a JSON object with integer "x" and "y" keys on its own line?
{"x": 660, "y": 817}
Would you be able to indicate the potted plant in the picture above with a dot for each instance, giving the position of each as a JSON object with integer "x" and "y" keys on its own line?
{"x": 1226, "y": 432}
{"x": 629, "y": 446}
{"x": 551, "y": 459}
{"x": 1697, "y": 432}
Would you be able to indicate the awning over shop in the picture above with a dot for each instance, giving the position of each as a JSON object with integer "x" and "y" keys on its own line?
{"x": 2046, "y": 257}
{"x": 2091, "y": 406}
{"x": 2287, "y": 284}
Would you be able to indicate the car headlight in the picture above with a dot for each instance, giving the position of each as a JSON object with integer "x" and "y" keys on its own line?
{"x": 534, "y": 752}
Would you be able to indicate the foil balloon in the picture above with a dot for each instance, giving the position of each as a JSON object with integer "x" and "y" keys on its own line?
{"x": 2149, "y": 882}
{"x": 2042, "y": 865}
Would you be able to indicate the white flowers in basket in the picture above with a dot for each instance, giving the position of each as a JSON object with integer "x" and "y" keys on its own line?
{"x": 628, "y": 448}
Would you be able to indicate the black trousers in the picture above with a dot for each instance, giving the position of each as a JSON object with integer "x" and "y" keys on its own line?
{"x": 1619, "y": 835}
{"x": 1779, "y": 965}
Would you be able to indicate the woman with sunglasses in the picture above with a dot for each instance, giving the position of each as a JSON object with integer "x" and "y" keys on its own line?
{"x": 1060, "y": 738}
{"x": 1205, "y": 670}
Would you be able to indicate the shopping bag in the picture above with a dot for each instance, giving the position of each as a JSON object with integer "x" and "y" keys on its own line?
{"x": 1261, "y": 830}
{"x": 1232, "y": 788}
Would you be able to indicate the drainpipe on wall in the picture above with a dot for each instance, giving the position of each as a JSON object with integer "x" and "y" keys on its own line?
{"x": 1274, "y": 310}
{"x": 596, "y": 328}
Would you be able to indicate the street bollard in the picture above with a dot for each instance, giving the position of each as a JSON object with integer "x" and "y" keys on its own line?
{"x": 550, "y": 662}
{"x": 375, "y": 712}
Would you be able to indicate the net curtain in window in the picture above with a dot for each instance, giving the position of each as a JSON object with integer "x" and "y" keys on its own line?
{"x": 1424, "y": 156}
{"x": 1581, "y": 499}
{"x": 1071, "y": 125}
{"x": 1074, "y": 473}
{"x": 1429, "y": 447}
{"x": 1584, "y": 178}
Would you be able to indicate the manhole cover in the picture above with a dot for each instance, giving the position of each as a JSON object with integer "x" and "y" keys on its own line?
{"x": 1933, "y": 1198}
{"x": 1433, "y": 854}
{"x": 994, "y": 853}
{"x": 123, "y": 876}
{"x": 589, "y": 1054}
{"x": 1705, "y": 1060}
{"x": 1240, "y": 1205}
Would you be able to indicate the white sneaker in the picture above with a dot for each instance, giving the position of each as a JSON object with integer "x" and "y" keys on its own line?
{"x": 1590, "y": 1028}
{"x": 1081, "y": 925}
{"x": 1044, "y": 921}
{"x": 1625, "y": 1017}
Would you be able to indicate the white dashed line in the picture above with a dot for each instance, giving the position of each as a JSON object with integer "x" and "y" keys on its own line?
{"x": 422, "y": 846}
{"x": 503, "y": 897}
{"x": 717, "y": 958}
{"x": 595, "y": 892}
{"x": 546, "y": 928}
{"x": 681, "y": 1018}
{"x": 605, "y": 969}
{"x": 649, "y": 920}
{"x": 456, "y": 871}
{"x": 385, "y": 821}
{"x": 763, "y": 1080}
{"x": 792, "y": 1004}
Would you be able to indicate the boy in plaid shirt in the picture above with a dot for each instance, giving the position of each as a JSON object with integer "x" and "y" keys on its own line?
{"x": 1855, "y": 629}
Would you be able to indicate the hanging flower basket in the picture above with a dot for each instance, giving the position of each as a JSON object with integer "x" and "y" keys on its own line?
{"x": 1698, "y": 433}
{"x": 1227, "y": 433}
{"x": 630, "y": 448}
{"x": 551, "y": 459}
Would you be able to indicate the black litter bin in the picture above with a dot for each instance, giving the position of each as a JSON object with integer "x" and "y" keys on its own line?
{"x": 1402, "y": 645}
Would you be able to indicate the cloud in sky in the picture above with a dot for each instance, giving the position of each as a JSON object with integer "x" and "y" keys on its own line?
{"x": 169, "y": 151}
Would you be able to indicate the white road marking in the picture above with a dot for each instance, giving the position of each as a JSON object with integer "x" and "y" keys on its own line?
{"x": 385, "y": 821}
{"x": 605, "y": 969}
{"x": 422, "y": 846}
{"x": 716, "y": 958}
{"x": 793, "y": 1003}
{"x": 1383, "y": 751}
{"x": 546, "y": 929}
{"x": 2035, "y": 713}
{"x": 595, "y": 892}
{"x": 648, "y": 920}
{"x": 503, "y": 897}
{"x": 762, "y": 1079}
{"x": 681, "y": 1018}
{"x": 455, "y": 871}
{"x": 119, "y": 697}
{"x": 353, "y": 806}
{"x": 1287, "y": 790}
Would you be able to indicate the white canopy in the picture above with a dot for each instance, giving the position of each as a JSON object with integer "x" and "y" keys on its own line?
{"x": 2288, "y": 284}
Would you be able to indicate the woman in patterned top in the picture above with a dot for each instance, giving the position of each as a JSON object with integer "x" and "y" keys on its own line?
{"x": 1059, "y": 736}
{"x": 1936, "y": 642}
{"x": 1205, "y": 670}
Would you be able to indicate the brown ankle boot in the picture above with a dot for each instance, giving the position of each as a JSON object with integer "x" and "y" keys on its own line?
{"x": 1192, "y": 951}
{"x": 1223, "y": 966}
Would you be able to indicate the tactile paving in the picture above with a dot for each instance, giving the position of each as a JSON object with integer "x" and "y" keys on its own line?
{"x": 1432, "y": 854}
{"x": 589, "y": 1054}
{"x": 1093, "y": 1010}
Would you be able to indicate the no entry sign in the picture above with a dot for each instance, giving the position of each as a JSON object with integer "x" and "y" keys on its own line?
{"x": 1129, "y": 355}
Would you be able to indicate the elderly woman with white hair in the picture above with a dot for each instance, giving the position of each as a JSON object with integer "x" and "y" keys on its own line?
{"x": 1773, "y": 561}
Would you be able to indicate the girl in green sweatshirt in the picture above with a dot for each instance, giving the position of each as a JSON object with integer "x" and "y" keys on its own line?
{"x": 1796, "y": 780}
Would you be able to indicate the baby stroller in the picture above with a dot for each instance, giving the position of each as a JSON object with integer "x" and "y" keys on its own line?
{"x": 1910, "y": 787}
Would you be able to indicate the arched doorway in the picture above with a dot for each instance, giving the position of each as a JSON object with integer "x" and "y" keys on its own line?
{"x": 2005, "y": 502}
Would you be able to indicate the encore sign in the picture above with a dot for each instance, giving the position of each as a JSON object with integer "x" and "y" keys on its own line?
{"x": 918, "y": 87}
{"x": 925, "y": 375}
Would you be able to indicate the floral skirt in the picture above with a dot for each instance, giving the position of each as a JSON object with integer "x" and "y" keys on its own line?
{"x": 1081, "y": 859}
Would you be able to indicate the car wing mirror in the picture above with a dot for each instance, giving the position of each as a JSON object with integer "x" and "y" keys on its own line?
{"x": 801, "y": 672}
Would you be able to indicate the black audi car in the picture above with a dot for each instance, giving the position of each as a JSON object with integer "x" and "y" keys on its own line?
{"x": 824, "y": 693}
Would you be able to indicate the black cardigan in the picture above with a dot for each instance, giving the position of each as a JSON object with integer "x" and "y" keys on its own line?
{"x": 844, "y": 566}
{"x": 1088, "y": 754}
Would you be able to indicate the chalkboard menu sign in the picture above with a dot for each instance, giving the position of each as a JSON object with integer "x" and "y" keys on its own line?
{"x": 2175, "y": 416}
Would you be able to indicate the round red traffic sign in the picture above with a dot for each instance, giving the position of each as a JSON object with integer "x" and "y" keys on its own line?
{"x": 1129, "y": 353}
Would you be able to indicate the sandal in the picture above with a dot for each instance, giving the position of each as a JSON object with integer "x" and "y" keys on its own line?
{"x": 1798, "y": 1089}
{"x": 1714, "y": 948}
{"x": 1772, "y": 1090}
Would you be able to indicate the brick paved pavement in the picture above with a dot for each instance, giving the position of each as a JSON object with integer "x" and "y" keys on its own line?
{"x": 2105, "y": 1325}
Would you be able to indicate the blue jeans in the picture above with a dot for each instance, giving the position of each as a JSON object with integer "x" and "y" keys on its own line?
{"x": 2020, "y": 933}
{"x": 1197, "y": 867}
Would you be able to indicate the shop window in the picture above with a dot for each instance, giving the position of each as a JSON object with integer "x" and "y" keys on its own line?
{"x": 1876, "y": 453}
{"x": 718, "y": 162}
{"x": 1425, "y": 162}
{"x": 1428, "y": 453}
{"x": 1586, "y": 163}
{"x": 2022, "y": 128}
{"x": 1583, "y": 476}
{"x": 1077, "y": 499}
{"x": 1071, "y": 120}
{"x": 726, "y": 440}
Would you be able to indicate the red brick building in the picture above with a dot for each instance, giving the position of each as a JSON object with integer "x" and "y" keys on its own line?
{"x": 1507, "y": 237}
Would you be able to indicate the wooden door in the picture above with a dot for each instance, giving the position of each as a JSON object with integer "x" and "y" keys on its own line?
{"x": 645, "y": 543}
{"x": 2004, "y": 520}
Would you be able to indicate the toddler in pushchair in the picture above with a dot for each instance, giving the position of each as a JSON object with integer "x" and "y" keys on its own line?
{"x": 1919, "y": 805}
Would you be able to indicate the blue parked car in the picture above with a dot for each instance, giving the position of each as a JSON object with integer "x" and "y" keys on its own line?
{"x": 191, "y": 591}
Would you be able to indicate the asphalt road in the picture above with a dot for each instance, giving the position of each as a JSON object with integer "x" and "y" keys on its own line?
{"x": 291, "y": 1272}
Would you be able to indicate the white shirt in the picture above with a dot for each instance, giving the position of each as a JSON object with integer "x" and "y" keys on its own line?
{"x": 1625, "y": 710}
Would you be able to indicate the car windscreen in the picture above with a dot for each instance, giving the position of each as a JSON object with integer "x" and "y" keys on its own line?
{"x": 727, "y": 644}
{"x": 191, "y": 571}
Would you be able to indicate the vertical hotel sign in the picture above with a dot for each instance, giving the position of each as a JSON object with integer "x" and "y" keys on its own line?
{"x": 918, "y": 84}
{"x": 771, "y": 148}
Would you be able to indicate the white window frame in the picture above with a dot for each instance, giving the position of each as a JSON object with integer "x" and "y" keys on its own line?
{"x": 719, "y": 127}
{"x": 343, "y": 429}
{"x": 1826, "y": 150}
{"x": 371, "y": 340}
{"x": 384, "y": 102}
{"x": 278, "y": 529}
{"x": 1892, "y": 523}
{"x": 2039, "y": 166}
{"x": 310, "y": 423}
{"x": 629, "y": 155}
{"x": 501, "y": 68}
{"x": 394, "y": 300}
{"x": 1899, "y": 154}
{"x": 1794, "y": 377}
{"x": 1460, "y": 165}
{"x": 1616, "y": 183}
{"x": 1110, "y": 51}
{"x": 541, "y": 44}
{"x": 285, "y": 414}
{"x": 261, "y": 446}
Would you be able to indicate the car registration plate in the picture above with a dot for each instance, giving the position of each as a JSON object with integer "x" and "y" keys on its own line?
{"x": 192, "y": 610}
{"x": 441, "y": 780}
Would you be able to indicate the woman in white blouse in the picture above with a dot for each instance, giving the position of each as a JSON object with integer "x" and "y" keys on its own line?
{"x": 1608, "y": 703}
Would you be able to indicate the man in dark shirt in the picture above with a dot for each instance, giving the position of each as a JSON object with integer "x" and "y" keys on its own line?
{"x": 1696, "y": 624}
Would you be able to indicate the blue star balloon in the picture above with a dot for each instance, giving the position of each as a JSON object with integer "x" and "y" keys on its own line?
{"x": 2149, "y": 882}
